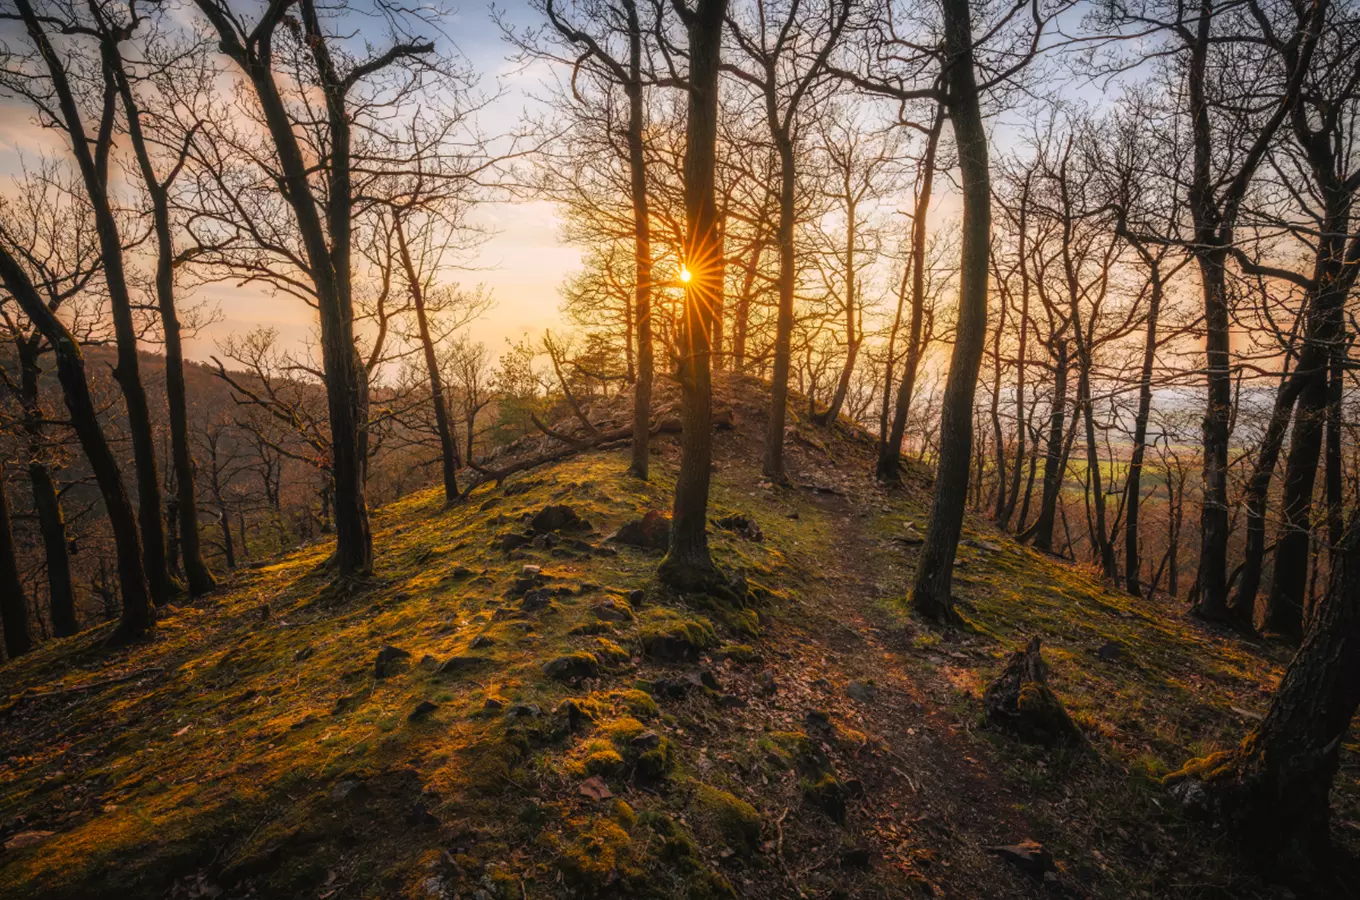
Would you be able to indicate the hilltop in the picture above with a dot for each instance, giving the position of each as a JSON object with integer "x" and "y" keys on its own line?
{"x": 513, "y": 708}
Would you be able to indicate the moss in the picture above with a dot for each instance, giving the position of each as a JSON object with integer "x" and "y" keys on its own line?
{"x": 826, "y": 793}
{"x": 743, "y": 623}
{"x": 604, "y": 762}
{"x": 571, "y": 666}
{"x": 600, "y": 856}
{"x": 622, "y": 730}
{"x": 727, "y": 816}
{"x": 677, "y": 640}
{"x": 738, "y": 653}
{"x": 638, "y": 703}
{"x": 610, "y": 653}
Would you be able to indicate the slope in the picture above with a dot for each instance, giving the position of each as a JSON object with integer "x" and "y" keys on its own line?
{"x": 549, "y": 722}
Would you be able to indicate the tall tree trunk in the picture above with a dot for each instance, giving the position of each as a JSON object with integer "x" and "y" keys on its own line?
{"x": 642, "y": 249}
{"x": 1041, "y": 532}
{"x": 93, "y": 166}
{"x": 1100, "y": 537}
{"x": 852, "y": 336}
{"x": 1273, "y": 791}
{"x": 1133, "y": 486}
{"x": 138, "y": 615}
{"x": 448, "y": 442}
{"x": 1021, "y": 426}
{"x": 890, "y": 453}
{"x": 687, "y": 565}
{"x": 200, "y": 579}
{"x": 997, "y": 437}
{"x": 773, "y": 468}
{"x": 930, "y": 596}
{"x": 51, "y": 522}
{"x": 13, "y": 597}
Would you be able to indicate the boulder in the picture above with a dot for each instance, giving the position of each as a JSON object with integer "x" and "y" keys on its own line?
{"x": 651, "y": 532}
{"x": 742, "y": 526}
{"x": 572, "y": 666}
{"x": 557, "y": 518}
{"x": 1020, "y": 701}
{"x": 388, "y": 659}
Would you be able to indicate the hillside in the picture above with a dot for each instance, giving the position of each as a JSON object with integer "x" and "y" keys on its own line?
{"x": 552, "y": 723}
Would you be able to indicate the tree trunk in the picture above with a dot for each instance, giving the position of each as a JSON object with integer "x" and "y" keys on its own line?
{"x": 931, "y": 594}
{"x": 138, "y": 614}
{"x": 1133, "y": 487}
{"x": 852, "y": 337}
{"x": 1272, "y": 792}
{"x": 1041, "y": 532}
{"x": 200, "y": 579}
{"x": 642, "y": 251}
{"x": 890, "y": 455}
{"x": 687, "y": 565}
{"x": 773, "y": 468}
{"x": 13, "y": 597}
{"x": 94, "y": 174}
{"x": 448, "y": 443}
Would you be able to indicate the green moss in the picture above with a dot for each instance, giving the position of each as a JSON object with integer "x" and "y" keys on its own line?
{"x": 604, "y": 762}
{"x": 638, "y": 703}
{"x": 677, "y": 639}
{"x": 738, "y": 653}
{"x": 610, "y": 653}
{"x": 825, "y": 793}
{"x": 601, "y": 855}
{"x": 727, "y": 816}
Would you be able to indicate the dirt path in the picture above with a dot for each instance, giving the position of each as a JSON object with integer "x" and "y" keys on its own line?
{"x": 931, "y": 802}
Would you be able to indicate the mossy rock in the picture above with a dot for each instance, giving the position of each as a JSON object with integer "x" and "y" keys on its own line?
{"x": 600, "y": 858}
{"x": 826, "y": 793}
{"x": 637, "y": 703}
{"x": 677, "y": 640}
{"x": 742, "y": 622}
{"x": 610, "y": 653}
{"x": 787, "y": 749}
{"x": 727, "y": 817}
{"x": 738, "y": 653}
{"x": 572, "y": 666}
{"x": 1021, "y": 702}
{"x": 607, "y": 763}
{"x": 574, "y": 713}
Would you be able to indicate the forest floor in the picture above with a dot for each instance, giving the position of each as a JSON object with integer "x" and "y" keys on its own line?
{"x": 575, "y": 730}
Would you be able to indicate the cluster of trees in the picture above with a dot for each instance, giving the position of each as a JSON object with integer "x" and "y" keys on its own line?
{"x": 1203, "y": 210}
{"x": 1161, "y": 282}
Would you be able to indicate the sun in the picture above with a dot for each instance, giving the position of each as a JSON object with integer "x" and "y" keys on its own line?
{"x": 685, "y": 274}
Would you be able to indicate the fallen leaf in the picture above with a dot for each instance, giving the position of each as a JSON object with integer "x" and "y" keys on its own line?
{"x": 595, "y": 788}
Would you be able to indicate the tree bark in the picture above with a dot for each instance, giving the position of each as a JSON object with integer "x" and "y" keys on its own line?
{"x": 1272, "y": 792}
{"x": 890, "y": 452}
{"x": 642, "y": 250}
{"x": 773, "y": 468}
{"x": 1133, "y": 486}
{"x": 931, "y": 594}
{"x": 448, "y": 443}
{"x": 93, "y": 166}
{"x": 138, "y": 615}
{"x": 13, "y": 597}
{"x": 1041, "y": 532}
{"x": 687, "y": 565}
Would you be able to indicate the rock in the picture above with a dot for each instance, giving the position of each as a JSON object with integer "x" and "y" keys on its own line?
{"x": 647, "y": 740}
{"x": 731, "y": 701}
{"x": 524, "y": 711}
{"x": 530, "y": 571}
{"x": 572, "y": 666}
{"x": 557, "y": 518}
{"x": 481, "y": 641}
{"x": 826, "y": 793}
{"x": 512, "y": 541}
{"x": 537, "y": 600}
{"x": 612, "y": 611}
{"x": 671, "y": 688}
{"x": 1021, "y": 702}
{"x": 742, "y": 526}
{"x": 677, "y": 641}
{"x": 457, "y": 665}
{"x": 724, "y": 419}
{"x": 573, "y": 714}
{"x": 462, "y": 572}
{"x": 422, "y": 710}
{"x": 1110, "y": 651}
{"x": 493, "y": 704}
{"x": 637, "y": 597}
{"x": 595, "y": 789}
{"x": 1028, "y": 856}
{"x": 27, "y": 839}
{"x": 768, "y": 685}
{"x": 910, "y": 539}
{"x": 856, "y": 858}
{"x": 651, "y": 532}
{"x": 387, "y": 659}
{"x": 419, "y": 815}
{"x": 861, "y": 691}
{"x": 350, "y": 790}
{"x": 303, "y": 654}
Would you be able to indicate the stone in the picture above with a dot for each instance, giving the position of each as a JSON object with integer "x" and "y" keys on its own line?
{"x": 612, "y": 611}
{"x": 557, "y": 518}
{"x": 1021, "y": 702}
{"x": 652, "y": 532}
{"x": 861, "y": 691}
{"x": 481, "y": 641}
{"x": 571, "y": 667}
{"x": 387, "y": 660}
{"x": 731, "y": 701}
{"x": 350, "y": 790}
{"x": 419, "y": 815}
{"x": 637, "y": 597}
{"x": 422, "y": 710}
{"x": 457, "y": 665}
{"x": 26, "y": 839}
{"x": 647, "y": 740}
{"x": 537, "y": 600}
{"x": 826, "y": 793}
{"x": 1110, "y": 652}
{"x": 742, "y": 526}
{"x": 1029, "y": 856}
{"x": 768, "y": 685}
{"x": 512, "y": 541}
{"x": 524, "y": 711}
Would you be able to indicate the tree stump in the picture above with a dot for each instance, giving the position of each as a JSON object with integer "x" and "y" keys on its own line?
{"x": 1020, "y": 702}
